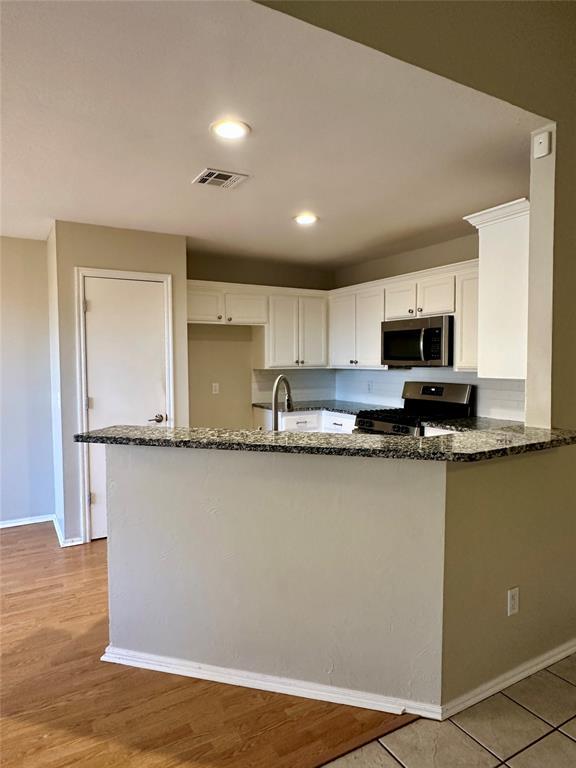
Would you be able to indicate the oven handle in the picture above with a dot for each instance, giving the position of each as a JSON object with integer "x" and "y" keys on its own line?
{"x": 422, "y": 331}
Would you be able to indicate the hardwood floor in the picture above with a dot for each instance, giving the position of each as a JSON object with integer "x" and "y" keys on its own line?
{"x": 62, "y": 706}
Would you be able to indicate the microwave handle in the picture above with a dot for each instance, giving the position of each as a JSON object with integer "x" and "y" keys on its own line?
{"x": 422, "y": 332}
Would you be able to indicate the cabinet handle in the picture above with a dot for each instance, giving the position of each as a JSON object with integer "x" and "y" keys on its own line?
{"x": 410, "y": 311}
{"x": 301, "y": 362}
{"x": 219, "y": 317}
{"x": 301, "y": 422}
{"x": 420, "y": 309}
{"x": 229, "y": 319}
{"x": 337, "y": 424}
{"x": 355, "y": 362}
{"x": 297, "y": 362}
{"x": 351, "y": 362}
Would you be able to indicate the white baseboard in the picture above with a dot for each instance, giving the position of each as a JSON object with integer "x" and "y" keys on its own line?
{"x": 26, "y": 521}
{"x": 61, "y": 540}
{"x": 307, "y": 690}
{"x": 508, "y": 678}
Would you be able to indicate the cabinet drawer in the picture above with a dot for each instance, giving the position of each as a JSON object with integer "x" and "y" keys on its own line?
{"x": 342, "y": 423}
{"x": 303, "y": 421}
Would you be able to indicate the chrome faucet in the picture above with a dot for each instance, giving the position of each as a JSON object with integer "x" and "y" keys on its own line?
{"x": 287, "y": 400}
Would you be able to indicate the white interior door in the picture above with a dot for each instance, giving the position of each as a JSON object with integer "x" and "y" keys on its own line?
{"x": 126, "y": 363}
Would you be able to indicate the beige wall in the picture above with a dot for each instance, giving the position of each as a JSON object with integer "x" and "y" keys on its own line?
{"x": 523, "y": 53}
{"x": 26, "y": 485}
{"x": 203, "y": 266}
{"x": 220, "y": 354}
{"x": 509, "y": 522}
{"x": 122, "y": 249}
{"x": 449, "y": 252}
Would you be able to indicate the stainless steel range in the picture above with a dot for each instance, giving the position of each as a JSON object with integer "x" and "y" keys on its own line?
{"x": 423, "y": 401}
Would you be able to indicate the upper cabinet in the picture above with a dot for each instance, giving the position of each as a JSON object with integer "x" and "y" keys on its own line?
{"x": 246, "y": 309}
{"x": 503, "y": 290}
{"x": 296, "y": 336}
{"x": 355, "y": 326}
{"x": 466, "y": 321}
{"x": 433, "y": 295}
{"x": 216, "y": 305}
{"x": 205, "y": 305}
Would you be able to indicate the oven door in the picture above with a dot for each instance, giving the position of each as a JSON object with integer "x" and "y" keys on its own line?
{"x": 416, "y": 343}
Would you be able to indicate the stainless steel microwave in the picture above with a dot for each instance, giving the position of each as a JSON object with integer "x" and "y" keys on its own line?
{"x": 420, "y": 342}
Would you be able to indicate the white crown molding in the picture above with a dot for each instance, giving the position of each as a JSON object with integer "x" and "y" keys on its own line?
{"x": 305, "y": 689}
{"x": 511, "y": 210}
{"x": 508, "y": 678}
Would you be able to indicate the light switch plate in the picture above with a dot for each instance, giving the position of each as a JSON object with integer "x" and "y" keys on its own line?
{"x": 542, "y": 144}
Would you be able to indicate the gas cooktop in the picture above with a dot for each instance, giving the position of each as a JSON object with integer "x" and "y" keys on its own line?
{"x": 422, "y": 402}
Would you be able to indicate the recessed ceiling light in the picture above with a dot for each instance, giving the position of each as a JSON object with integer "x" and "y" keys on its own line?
{"x": 306, "y": 218}
{"x": 231, "y": 130}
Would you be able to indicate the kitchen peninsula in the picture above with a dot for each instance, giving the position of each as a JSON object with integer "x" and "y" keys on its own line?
{"x": 356, "y": 568}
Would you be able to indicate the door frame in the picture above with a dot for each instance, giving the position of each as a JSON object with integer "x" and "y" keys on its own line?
{"x": 80, "y": 273}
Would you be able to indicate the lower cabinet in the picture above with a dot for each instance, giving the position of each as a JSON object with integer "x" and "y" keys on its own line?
{"x": 305, "y": 421}
{"x": 340, "y": 423}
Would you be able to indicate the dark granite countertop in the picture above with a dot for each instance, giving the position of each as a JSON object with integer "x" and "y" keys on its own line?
{"x": 470, "y": 443}
{"x": 337, "y": 406}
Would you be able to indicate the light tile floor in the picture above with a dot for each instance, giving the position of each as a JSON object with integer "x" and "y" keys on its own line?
{"x": 531, "y": 724}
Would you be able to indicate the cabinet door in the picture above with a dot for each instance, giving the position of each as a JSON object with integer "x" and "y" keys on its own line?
{"x": 400, "y": 300}
{"x": 205, "y": 306}
{"x": 283, "y": 332}
{"x": 246, "y": 309}
{"x": 435, "y": 295}
{"x": 343, "y": 330}
{"x": 312, "y": 331}
{"x": 369, "y": 316}
{"x": 466, "y": 321}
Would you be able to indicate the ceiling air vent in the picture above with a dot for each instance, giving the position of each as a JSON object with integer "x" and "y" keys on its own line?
{"x": 215, "y": 178}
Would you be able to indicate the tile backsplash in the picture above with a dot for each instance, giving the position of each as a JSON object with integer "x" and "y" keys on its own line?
{"x": 498, "y": 398}
{"x": 305, "y": 384}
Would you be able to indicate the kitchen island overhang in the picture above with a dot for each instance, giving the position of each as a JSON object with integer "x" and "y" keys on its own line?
{"x": 379, "y": 583}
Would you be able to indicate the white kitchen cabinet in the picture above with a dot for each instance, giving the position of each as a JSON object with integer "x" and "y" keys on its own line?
{"x": 301, "y": 421}
{"x": 312, "y": 331}
{"x": 205, "y": 305}
{"x": 297, "y": 332}
{"x": 369, "y": 317}
{"x": 503, "y": 290}
{"x": 343, "y": 330}
{"x": 262, "y": 418}
{"x": 433, "y": 295}
{"x": 400, "y": 300}
{"x": 466, "y": 321}
{"x": 339, "y": 423}
{"x": 246, "y": 309}
{"x": 355, "y": 328}
{"x": 283, "y": 350}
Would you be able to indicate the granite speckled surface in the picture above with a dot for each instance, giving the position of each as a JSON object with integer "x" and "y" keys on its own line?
{"x": 337, "y": 406}
{"x": 468, "y": 444}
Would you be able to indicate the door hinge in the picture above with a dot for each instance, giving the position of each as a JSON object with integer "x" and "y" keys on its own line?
{"x": 89, "y": 403}
{"x": 91, "y": 498}
{"x": 85, "y": 306}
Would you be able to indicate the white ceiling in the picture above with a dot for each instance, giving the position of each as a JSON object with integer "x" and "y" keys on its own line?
{"x": 106, "y": 108}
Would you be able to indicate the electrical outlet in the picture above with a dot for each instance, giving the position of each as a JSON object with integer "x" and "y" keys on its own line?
{"x": 513, "y": 600}
{"x": 215, "y": 388}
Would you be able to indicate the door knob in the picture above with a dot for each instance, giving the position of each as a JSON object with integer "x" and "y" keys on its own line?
{"x": 159, "y": 418}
